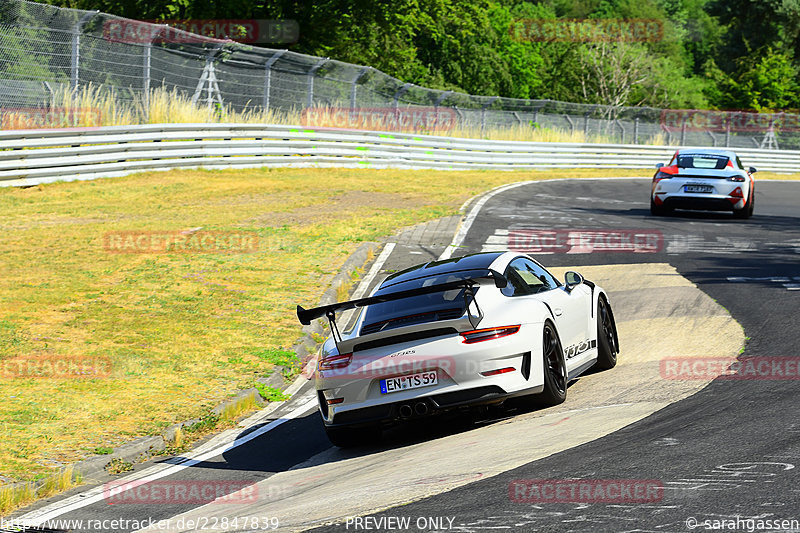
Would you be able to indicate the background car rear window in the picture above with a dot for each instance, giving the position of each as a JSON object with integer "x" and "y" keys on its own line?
{"x": 717, "y": 162}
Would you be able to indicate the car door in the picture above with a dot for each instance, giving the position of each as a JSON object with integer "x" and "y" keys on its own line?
{"x": 570, "y": 309}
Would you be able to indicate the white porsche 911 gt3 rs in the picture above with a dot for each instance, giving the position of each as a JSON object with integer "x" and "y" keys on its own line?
{"x": 703, "y": 178}
{"x": 459, "y": 333}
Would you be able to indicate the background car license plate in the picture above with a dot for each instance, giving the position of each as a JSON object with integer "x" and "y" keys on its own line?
{"x": 698, "y": 188}
{"x": 412, "y": 381}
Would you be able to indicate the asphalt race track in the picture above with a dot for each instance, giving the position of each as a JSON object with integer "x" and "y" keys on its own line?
{"x": 721, "y": 450}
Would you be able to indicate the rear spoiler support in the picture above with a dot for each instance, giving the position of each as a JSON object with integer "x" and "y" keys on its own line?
{"x": 329, "y": 311}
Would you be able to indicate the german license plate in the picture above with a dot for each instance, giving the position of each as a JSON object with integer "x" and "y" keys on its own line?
{"x": 412, "y": 381}
{"x": 698, "y": 188}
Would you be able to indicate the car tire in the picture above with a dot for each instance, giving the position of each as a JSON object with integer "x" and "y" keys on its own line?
{"x": 607, "y": 341}
{"x": 657, "y": 210}
{"x": 555, "y": 369}
{"x": 746, "y": 211}
{"x": 350, "y": 437}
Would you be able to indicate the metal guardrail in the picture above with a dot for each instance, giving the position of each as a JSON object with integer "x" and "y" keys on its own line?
{"x": 30, "y": 157}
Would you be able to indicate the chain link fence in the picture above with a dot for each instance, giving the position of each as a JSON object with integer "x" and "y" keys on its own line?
{"x": 46, "y": 49}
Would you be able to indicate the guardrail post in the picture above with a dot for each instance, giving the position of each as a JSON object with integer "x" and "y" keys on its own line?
{"x": 76, "y": 48}
{"x": 354, "y": 86}
{"x": 268, "y": 78}
{"x": 311, "y": 74}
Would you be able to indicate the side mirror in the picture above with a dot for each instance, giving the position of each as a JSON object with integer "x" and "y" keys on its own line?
{"x": 752, "y": 170}
{"x": 572, "y": 280}
{"x": 659, "y": 165}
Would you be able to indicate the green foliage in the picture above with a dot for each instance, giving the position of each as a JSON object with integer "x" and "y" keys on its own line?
{"x": 271, "y": 394}
{"x": 718, "y": 53}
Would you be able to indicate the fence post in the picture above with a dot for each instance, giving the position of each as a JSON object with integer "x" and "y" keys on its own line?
{"x": 400, "y": 92}
{"x": 76, "y": 45}
{"x": 483, "y": 113}
{"x": 354, "y": 86}
{"x": 728, "y": 130}
{"x": 683, "y": 132}
{"x": 311, "y": 74}
{"x": 586, "y": 125}
{"x": 268, "y": 77}
{"x": 571, "y": 124}
{"x": 636, "y": 129}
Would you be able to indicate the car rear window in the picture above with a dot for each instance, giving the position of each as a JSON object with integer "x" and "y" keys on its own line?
{"x": 432, "y": 307}
{"x": 717, "y": 162}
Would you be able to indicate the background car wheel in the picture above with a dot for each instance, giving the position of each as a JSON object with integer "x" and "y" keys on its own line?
{"x": 607, "y": 347}
{"x": 747, "y": 210}
{"x": 658, "y": 210}
{"x": 349, "y": 437}
{"x": 555, "y": 369}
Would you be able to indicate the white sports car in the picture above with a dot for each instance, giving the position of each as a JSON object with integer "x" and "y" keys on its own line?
{"x": 460, "y": 333}
{"x": 703, "y": 178}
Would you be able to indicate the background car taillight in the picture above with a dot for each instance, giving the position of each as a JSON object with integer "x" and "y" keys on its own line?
{"x": 661, "y": 176}
{"x": 737, "y": 179}
{"x": 480, "y": 335}
{"x": 332, "y": 362}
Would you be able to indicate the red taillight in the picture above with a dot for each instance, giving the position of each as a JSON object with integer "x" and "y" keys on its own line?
{"x": 335, "y": 361}
{"x": 661, "y": 176}
{"x": 498, "y": 371}
{"x": 480, "y": 335}
{"x": 737, "y": 179}
{"x": 334, "y": 401}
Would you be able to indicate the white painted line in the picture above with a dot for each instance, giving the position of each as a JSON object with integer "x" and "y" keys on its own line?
{"x": 362, "y": 287}
{"x": 50, "y": 512}
{"x": 458, "y": 240}
{"x": 361, "y": 290}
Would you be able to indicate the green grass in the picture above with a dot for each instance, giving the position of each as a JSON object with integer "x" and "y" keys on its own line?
{"x": 182, "y": 331}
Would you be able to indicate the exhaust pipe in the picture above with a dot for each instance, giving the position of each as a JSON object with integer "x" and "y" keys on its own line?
{"x": 406, "y": 411}
{"x": 421, "y": 408}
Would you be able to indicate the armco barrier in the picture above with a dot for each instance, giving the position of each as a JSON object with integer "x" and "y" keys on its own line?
{"x": 30, "y": 157}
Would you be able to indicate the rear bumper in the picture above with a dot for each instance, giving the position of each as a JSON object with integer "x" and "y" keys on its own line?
{"x": 388, "y": 414}
{"x": 699, "y": 203}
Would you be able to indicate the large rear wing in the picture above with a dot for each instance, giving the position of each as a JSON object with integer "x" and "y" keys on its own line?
{"x": 307, "y": 315}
